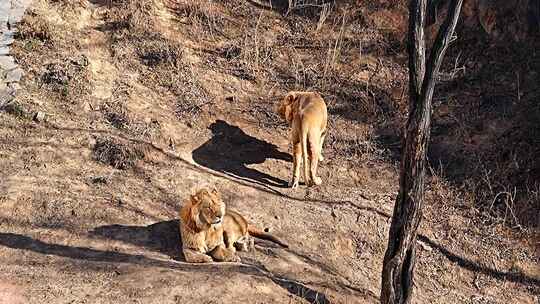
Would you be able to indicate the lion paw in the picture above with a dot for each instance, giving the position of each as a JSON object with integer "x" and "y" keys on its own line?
{"x": 293, "y": 184}
{"x": 198, "y": 258}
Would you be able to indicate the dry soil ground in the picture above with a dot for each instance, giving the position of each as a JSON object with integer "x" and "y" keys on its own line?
{"x": 144, "y": 101}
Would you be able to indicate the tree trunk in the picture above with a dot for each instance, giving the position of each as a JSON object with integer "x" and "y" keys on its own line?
{"x": 400, "y": 256}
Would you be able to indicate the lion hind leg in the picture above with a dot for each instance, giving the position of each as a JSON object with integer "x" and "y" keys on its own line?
{"x": 223, "y": 254}
{"x": 314, "y": 154}
{"x": 323, "y": 135}
{"x": 305, "y": 156}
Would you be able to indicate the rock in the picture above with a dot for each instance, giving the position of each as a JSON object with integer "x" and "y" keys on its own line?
{"x": 14, "y": 86}
{"x": 39, "y": 116}
{"x": 4, "y": 50}
{"x": 14, "y": 75}
{"x": 7, "y": 63}
{"x": 87, "y": 107}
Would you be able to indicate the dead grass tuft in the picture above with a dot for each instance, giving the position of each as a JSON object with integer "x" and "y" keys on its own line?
{"x": 50, "y": 53}
{"x": 203, "y": 17}
{"x": 355, "y": 143}
{"x": 117, "y": 153}
{"x": 14, "y": 108}
{"x": 69, "y": 77}
{"x": 116, "y": 114}
{"x": 156, "y": 51}
{"x": 136, "y": 15}
{"x": 35, "y": 27}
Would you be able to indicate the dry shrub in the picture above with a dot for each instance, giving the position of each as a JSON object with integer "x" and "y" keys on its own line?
{"x": 136, "y": 15}
{"x": 50, "y": 52}
{"x": 249, "y": 58}
{"x": 160, "y": 61}
{"x": 507, "y": 178}
{"x": 354, "y": 143}
{"x": 69, "y": 77}
{"x": 139, "y": 46}
{"x": 204, "y": 17}
{"x": 153, "y": 52}
{"x": 14, "y": 108}
{"x": 114, "y": 110}
{"x": 34, "y": 26}
{"x": 116, "y": 153}
{"x": 116, "y": 114}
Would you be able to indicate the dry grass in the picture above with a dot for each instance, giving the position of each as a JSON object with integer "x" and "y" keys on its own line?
{"x": 116, "y": 114}
{"x": 114, "y": 110}
{"x": 116, "y": 153}
{"x": 14, "y": 108}
{"x": 204, "y": 18}
{"x": 138, "y": 46}
{"x": 260, "y": 55}
{"x": 51, "y": 55}
{"x": 35, "y": 27}
{"x": 69, "y": 77}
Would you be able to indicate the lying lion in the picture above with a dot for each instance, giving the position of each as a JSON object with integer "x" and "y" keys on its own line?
{"x": 210, "y": 232}
{"x": 307, "y": 115}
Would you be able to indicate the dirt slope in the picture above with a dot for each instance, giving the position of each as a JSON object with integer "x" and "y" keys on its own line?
{"x": 146, "y": 100}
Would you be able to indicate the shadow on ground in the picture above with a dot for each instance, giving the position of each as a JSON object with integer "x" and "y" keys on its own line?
{"x": 163, "y": 237}
{"x": 231, "y": 150}
{"x": 22, "y": 242}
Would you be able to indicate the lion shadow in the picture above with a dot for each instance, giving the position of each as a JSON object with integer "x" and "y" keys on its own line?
{"x": 231, "y": 150}
{"x": 162, "y": 237}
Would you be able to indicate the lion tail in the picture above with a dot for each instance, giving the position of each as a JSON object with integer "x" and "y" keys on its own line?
{"x": 254, "y": 231}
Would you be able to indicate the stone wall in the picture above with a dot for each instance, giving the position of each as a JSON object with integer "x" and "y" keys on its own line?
{"x": 11, "y": 12}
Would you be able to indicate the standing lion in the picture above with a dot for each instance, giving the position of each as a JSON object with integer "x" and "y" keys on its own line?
{"x": 307, "y": 115}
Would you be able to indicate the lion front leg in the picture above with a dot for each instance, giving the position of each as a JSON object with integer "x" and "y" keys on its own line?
{"x": 193, "y": 256}
{"x": 221, "y": 253}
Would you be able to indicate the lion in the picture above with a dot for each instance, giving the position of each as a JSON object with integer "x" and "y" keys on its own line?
{"x": 237, "y": 233}
{"x": 307, "y": 115}
{"x": 201, "y": 228}
{"x": 211, "y": 232}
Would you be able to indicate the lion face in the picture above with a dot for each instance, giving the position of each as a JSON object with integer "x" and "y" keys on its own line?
{"x": 209, "y": 206}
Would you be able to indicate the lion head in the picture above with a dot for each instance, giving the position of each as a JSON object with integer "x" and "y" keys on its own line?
{"x": 207, "y": 208}
{"x": 285, "y": 107}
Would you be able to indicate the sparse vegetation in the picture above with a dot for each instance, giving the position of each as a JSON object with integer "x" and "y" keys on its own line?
{"x": 14, "y": 108}
{"x": 117, "y": 153}
{"x": 140, "y": 95}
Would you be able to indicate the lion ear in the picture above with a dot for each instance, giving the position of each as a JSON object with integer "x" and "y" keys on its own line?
{"x": 194, "y": 198}
{"x": 215, "y": 191}
{"x": 291, "y": 97}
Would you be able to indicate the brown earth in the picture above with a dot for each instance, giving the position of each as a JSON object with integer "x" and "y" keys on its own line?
{"x": 145, "y": 101}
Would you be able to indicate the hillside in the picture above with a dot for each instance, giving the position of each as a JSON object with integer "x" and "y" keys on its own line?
{"x": 141, "y": 102}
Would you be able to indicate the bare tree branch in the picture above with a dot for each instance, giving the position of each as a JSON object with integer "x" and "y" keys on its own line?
{"x": 400, "y": 256}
